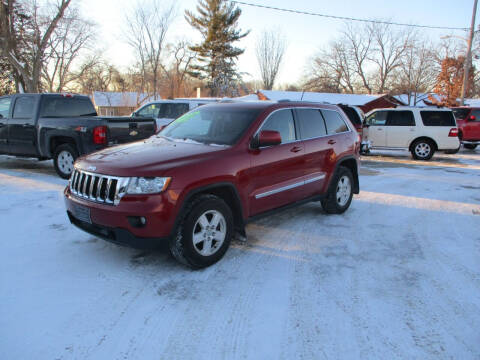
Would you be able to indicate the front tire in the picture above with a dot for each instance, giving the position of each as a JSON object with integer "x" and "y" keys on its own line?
{"x": 340, "y": 192}
{"x": 423, "y": 149}
{"x": 204, "y": 233}
{"x": 63, "y": 159}
{"x": 470, "y": 146}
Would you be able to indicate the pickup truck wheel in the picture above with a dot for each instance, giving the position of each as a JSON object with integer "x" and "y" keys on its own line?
{"x": 470, "y": 146}
{"x": 340, "y": 192}
{"x": 204, "y": 233}
{"x": 423, "y": 149}
{"x": 63, "y": 159}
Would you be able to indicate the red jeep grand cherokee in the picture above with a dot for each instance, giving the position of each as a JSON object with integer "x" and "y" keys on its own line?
{"x": 211, "y": 171}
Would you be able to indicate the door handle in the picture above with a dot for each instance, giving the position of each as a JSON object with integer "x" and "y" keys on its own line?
{"x": 331, "y": 142}
{"x": 379, "y": 129}
{"x": 295, "y": 149}
{"x": 26, "y": 125}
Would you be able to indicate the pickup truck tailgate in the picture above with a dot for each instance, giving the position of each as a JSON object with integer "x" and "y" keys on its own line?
{"x": 124, "y": 129}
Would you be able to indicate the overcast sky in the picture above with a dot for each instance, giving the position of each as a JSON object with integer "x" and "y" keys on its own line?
{"x": 305, "y": 34}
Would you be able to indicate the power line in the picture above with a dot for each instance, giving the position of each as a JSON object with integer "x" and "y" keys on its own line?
{"x": 347, "y": 18}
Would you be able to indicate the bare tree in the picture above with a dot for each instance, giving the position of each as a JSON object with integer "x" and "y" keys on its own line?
{"x": 418, "y": 71}
{"x": 31, "y": 37}
{"x": 270, "y": 48}
{"x": 176, "y": 72}
{"x": 363, "y": 58}
{"x": 332, "y": 70}
{"x": 390, "y": 45}
{"x": 145, "y": 33}
{"x": 68, "y": 40}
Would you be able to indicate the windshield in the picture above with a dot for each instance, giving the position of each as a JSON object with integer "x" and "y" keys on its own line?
{"x": 211, "y": 125}
{"x": 460, "y": 113}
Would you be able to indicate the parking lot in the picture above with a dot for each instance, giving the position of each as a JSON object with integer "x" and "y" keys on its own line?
{"x": 395, "y": 277}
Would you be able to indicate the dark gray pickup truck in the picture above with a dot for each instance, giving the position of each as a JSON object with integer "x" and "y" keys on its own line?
{"x": 62, "y": 127}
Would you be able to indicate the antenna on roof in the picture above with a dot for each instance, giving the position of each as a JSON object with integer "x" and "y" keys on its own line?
{"x": 303, "y": 92}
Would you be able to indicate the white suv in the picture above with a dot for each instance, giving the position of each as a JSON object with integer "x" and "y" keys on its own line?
{"x": 165, "y": 111}
{"x": 420, "y": 130}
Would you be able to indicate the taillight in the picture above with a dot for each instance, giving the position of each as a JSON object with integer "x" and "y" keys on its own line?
{"x": 100, "y": 135}
{"x": 453, "y": 132}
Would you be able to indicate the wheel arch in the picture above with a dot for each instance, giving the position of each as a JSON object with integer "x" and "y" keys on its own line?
{"x": 351, "y": 163}
{"x": 57, "y": 140}
{"x": 410, "y": 147}
{"x": 227, "y": 192}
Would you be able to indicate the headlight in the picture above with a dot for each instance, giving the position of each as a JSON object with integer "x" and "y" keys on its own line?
{"x": 147, "y": 185}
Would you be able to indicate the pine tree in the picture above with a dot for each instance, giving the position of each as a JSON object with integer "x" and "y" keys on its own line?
{"x": 217, "y": 22}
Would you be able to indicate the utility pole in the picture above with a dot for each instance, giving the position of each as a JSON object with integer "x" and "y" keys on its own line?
{"x": 468, "y": 58}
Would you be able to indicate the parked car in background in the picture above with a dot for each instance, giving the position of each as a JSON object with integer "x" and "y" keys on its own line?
{"x": 468, "y": 122}
{"x": 422, "y": 131}
{"x": 209, "y": 172}
{"x": 165, "y": 111}
{"x": 62, "y": 127}
{"x": 355, "y": 115}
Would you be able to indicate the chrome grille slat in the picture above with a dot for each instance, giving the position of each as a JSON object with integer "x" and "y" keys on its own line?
{"x": 87, "y": 185}
{"x": 99, "y": 188}
{"x": 107, "y": 191}
{"x": 90, "y": 191}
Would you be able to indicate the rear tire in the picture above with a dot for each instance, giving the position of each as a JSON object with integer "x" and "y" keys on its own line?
{"x": 204, "y": 232}
{"x": 340, "y": 192}
{"x": 470, "y": 146}
{"x": 63, "y": 159}
{"x": 423, "y": 149}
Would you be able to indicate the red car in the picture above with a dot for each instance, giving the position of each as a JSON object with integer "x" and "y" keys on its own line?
{"x": 468, "y": 122}
{"x": 211, "y": 171}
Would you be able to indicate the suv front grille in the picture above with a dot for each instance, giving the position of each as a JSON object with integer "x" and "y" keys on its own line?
{"x": 99, "y": 188}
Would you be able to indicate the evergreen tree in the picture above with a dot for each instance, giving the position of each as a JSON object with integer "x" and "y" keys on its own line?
{"x": 217, "y": 22}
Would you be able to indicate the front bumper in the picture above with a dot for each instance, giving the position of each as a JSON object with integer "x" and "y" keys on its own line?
{"x": 117, "y": 235}
{"x": 112, "y": 222}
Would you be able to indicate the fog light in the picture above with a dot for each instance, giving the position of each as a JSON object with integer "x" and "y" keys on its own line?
{"x": 137, "y": 221}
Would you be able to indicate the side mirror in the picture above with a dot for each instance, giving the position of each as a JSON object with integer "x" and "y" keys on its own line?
{"x": 134, "y": 114}
{"x": 1, "y": 116}
{"x": 472, "y": 118}
{"x": 268, "y": 138}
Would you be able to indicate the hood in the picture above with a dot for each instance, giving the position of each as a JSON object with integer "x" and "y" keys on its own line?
{"x": 151, "y": 157}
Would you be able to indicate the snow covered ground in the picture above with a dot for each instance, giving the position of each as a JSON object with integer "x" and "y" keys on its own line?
{"x": 396, "y": 277}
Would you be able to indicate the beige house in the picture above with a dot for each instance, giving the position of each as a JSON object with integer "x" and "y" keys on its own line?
{"x": 118, "y": 103}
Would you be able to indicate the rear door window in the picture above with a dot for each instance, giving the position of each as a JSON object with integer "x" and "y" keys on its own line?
{"x": 400, "y": 118}
{"x": 437, "y": 118}
{"x": 282, "y": 121}
{"x": 378, "y": 118}
{"x": 61, "y": 106}
{"x": 5, "y": 106}
{"x": 24, "y": 107}
{"x": 334, "y": 122}
{"x": 311, "y": 123}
